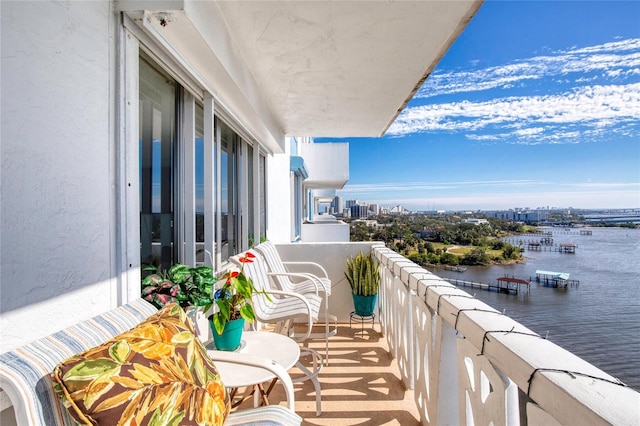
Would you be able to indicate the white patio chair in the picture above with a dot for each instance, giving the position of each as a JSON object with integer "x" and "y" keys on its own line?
{"x": 283, "y": 308}
{"x": 309, "y": 282}
{"x": 301, "y": 282}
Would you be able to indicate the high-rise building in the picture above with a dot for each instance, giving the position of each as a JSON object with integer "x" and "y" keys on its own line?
{"x": 350, "y": 203}
{"x": 519, "y": 215}
{"x": 336, "y": 205}
{"x": 359, "y": 211}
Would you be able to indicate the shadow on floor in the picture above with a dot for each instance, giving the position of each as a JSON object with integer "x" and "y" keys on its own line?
{"x": 360, "y": 386}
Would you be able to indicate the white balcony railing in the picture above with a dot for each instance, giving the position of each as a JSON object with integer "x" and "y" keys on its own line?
{"x": 468, "y": 363}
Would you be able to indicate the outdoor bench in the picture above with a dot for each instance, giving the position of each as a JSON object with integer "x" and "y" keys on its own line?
{"x": 25, "y": 372}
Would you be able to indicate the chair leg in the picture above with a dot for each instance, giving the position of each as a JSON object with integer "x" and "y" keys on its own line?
{"x": 326, "y": 331}
{"x": 312, "y": 375}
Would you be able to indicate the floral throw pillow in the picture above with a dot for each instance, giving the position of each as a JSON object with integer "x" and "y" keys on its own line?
{"x": 156, "y": 373}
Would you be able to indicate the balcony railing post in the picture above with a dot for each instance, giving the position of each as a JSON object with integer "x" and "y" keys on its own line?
{"x": 410, "y": 341}
{"x": 447, "y": 391}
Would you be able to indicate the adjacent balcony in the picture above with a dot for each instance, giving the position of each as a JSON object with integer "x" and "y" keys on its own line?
{"x": 438, "y": 356}
{"x": 328, "y": 170}
{"x": 328, "y": 164}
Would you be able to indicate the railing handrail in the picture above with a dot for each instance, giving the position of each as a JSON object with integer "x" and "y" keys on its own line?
{"x": 563, "y": 385}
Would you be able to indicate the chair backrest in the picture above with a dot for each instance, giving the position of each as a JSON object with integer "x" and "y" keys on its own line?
{"x": 275, "y": 264}
{"x": 257, "y": 271}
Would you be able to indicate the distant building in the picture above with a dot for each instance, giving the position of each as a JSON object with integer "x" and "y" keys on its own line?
{"x": 369, "y": 223}
{"x": 358, "y": 211}
{"x": 398, "y": 210}
{"x": 350, "y": 203}
{"x": 475, "y": 221}
{"x": 336, "y": 205}
{"x": 526, "y": 216}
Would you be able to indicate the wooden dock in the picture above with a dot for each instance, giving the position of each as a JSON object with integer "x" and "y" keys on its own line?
{"x": 545, "y": 244}
{"x": 507, "y": 285}
{"x": 555, "y": 279}
{"x": 567, "y": 248}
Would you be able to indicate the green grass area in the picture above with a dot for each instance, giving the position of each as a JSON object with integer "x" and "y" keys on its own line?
{"x": 461, "y": 251}
{"x": 495, "y": 253}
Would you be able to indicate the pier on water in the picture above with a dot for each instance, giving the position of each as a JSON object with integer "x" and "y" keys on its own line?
{"x": 507, "y": 285}
{"x": 555, "y": 279}
{"x": 545, "y": 244}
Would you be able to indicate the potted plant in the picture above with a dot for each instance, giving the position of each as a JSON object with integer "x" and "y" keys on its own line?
{"x": 363, "y": 274}
{"x": 233, "y": 307}
{"x": 190, "y": 287}
{"x": 187, "y": 286}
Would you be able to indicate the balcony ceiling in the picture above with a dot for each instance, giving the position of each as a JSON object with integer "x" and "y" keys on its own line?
{"x": 342, "y": 68}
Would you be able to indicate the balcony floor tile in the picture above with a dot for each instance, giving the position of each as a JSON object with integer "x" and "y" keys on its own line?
{"x": 360, "y": 386}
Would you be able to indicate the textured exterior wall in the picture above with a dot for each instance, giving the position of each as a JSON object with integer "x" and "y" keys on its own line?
{"x": 330, "y": 231}
{"x": 279, "y": 209}
{"x": 57, "y": 194}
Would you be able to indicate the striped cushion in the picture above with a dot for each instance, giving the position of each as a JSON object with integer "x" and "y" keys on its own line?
{"x": 270, "y": 415}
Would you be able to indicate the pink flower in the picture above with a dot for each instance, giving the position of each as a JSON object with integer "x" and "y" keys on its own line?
{"x": 163, "y": 299}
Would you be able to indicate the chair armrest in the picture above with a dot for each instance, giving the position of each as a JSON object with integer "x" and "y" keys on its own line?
{"x": 289, "y": 294}
{"x": 317, "y": 265}
{"x": 316, "y": 281}
{"x": 260, "y": 362}
{"x": 306, "y": 304}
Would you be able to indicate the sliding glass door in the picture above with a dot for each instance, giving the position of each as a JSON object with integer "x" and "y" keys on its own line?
{"x": 172, "y": 219}
{"x": 157, "y": 165}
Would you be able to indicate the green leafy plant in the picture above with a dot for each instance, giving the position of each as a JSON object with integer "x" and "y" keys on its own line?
{"x": 233, "y": 298}
{"x": 187, "y": 286}
{"x": 363, "y": 274}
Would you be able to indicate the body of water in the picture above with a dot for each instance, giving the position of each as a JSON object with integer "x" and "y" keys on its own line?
{"x": 599, "y": 320}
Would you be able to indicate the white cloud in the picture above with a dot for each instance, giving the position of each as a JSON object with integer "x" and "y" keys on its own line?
{"x": 572, "y": 114}
{"x": 577, "y": 199}
{"x": 585, "y": 200}
{"x": 615, "y": 59}
{"x": 351, "y": 189}
{"x": 530, "y": 131}
{"x": 580, "y": 94}
{"x": 499, "y": 194}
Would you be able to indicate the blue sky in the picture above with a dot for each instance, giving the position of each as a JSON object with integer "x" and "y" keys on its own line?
{"x": 536, "y": 104}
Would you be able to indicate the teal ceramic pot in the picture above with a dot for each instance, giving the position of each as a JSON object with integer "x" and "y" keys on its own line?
{"x": 364, "y": 305}
{"x": 231, "y": 336}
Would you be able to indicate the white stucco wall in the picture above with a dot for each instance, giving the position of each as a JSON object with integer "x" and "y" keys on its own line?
{"x": 325, "y": 231}
{"x": 57, "y": 177}
{"x": 279, "y": 199}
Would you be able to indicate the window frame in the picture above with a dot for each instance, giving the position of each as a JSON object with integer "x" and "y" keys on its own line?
{"x": 132, "y": 41}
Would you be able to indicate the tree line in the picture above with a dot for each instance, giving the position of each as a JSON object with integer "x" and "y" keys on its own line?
{"x": 424, "y": 239}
